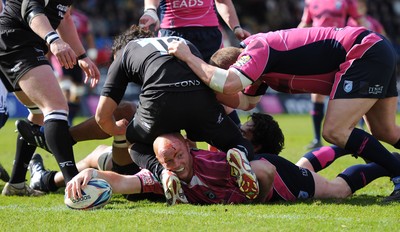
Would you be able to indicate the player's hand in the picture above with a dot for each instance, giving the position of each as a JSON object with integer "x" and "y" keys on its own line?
{"x": 148, "y": 19}
{"x": 64, "y": 53}
{"x": 241, "y": 33}
{"x": 74, "y": 186}
{"x": 179, "y": 49}
{"x": 91, "y": 71}
{"x": 121, "y": 126}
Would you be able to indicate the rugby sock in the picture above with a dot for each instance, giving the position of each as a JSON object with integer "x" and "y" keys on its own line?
{"x": 317, "y": 116}
{"x": 47, "y": 179}
{"x": 365, "y": 145}
{"x": 23, "y": 155}
{"x": 56, "y": 131}
{"x": 322, "y": 157}
{"x": 360, "y": 175}
{"x": 235, "y": 117}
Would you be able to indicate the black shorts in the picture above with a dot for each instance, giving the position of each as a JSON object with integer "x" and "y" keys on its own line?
{"x": 207, "y": 39}
{"x": 291, "y": 182}
{"x": 20, "y": 51}
{"x": 197, "y": 112}
{"x": 369, "y": 70}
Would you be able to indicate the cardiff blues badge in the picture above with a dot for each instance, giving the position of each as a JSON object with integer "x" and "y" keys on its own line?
{"x": 348, "y": 86}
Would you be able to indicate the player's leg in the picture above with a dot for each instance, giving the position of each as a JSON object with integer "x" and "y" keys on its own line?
{"x": 265, "y": 173}
{"x": 317, "y": 114}
{"x": 50, "y": 99}
{"x": 339, "y": 129}
{"x": 320, "y": 158}
{"x": 336, "y": 188}
{"x": 16, "y": 184}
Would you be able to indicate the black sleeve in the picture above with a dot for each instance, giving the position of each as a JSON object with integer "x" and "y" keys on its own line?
{"x": 117, "y": 81}
{"x": 31, "y": 8}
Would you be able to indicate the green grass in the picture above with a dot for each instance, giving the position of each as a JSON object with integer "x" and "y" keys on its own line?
{"x": 362, "y": 212}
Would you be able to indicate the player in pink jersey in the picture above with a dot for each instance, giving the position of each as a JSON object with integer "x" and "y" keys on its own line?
{"x": 326, "y": 13}
{"x": 370, "y": 22}
{"x": 196, "y": 21}
{"x": 352, "y": 65}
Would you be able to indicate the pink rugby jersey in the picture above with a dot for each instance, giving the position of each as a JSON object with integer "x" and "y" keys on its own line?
{"x": 329, "y": 13}
{"x": 187, "y": 13}
{"x": 301, "y": 60}
{"x": 212, "y": 182}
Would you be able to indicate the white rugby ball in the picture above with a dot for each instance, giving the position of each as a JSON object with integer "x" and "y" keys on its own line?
{"x": 95, "y": 195}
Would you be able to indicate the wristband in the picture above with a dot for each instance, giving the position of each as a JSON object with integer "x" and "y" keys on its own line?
{"x": 236, "y": 27}
{"x": 83, "y": 56}
{"x": 152, "y": 13}
{"x": 51, "y": 37}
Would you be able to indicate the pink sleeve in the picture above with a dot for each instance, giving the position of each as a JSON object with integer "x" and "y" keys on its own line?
{"x": 253, "y": 60}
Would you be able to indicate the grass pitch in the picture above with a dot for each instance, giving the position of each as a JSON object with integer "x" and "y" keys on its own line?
{"x": 362, "y": 212}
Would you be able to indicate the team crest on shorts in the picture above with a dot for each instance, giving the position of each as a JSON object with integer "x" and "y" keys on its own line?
{"x": 348, "y": 86}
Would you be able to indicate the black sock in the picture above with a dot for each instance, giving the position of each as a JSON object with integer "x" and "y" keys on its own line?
{"x": 317, "y": 117}
{"x": 360, "y": 175}
{"x": 48, "y": 181}
{"x": 365, "y": 145}
{"x": 60, "y": 143}
{"x": 23, "y": 155}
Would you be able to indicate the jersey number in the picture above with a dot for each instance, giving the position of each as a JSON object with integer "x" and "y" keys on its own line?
{"x": 161, "y": 44}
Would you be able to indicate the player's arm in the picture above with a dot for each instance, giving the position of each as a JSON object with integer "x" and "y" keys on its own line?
{"x": 227, "y": 11}
{"x": 150, "y": 16}
{"x": 105, "y": 117}
{"x": 122, "y": 184}
{"x": 68, "y": 33}
{"x": 238, "y": 100}
{"x": 220, "y": 80}
{"x": 33, "y": 14}
{"x": 306, "y": 20}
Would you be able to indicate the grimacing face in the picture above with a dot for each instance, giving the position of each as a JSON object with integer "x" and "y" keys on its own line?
{"x": 174, "y": 155}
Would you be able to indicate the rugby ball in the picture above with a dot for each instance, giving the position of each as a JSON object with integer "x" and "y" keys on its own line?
{"x": 95, "y": 195}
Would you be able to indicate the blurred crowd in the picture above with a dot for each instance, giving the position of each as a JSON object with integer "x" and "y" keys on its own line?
{"x": 111, "y": 17}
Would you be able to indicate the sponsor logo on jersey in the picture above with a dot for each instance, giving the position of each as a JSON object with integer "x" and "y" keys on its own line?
{"x": 243, "y": 60}
{"x": 348, "y": 86}
{"x": 188, "y": 83}
{"x": 376, "y": 89}
{"x": 187, "y": 3}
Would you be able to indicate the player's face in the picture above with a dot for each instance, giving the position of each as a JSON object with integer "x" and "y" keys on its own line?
{"x": 176, "y": 157}
{"x": 247, "y": 130}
